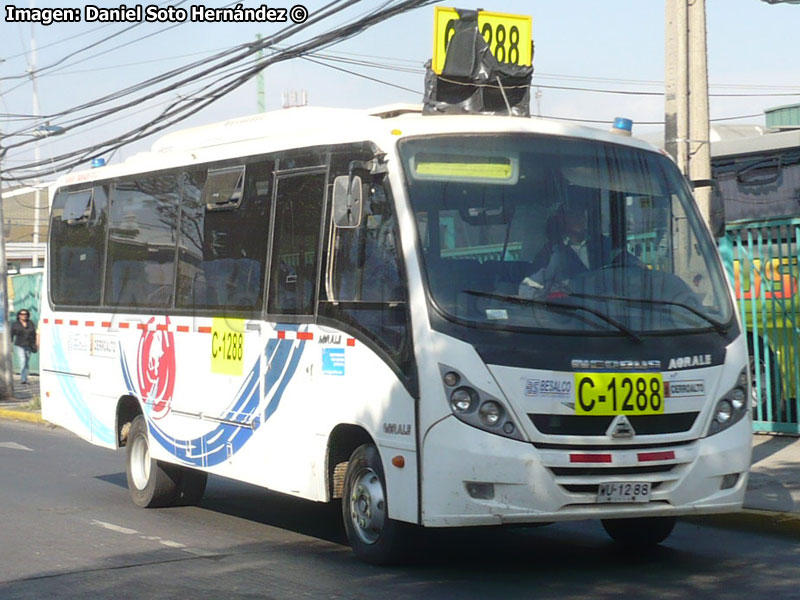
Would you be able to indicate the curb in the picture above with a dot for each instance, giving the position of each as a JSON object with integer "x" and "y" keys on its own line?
{"x": 750, "y": 519}
{"x": 22, "y": 415}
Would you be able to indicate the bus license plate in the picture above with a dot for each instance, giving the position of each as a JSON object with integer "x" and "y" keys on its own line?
{"x": 623, "y": 492}
{"x": 605, "y": 394}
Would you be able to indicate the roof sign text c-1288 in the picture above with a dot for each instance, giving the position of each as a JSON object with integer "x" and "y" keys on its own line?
{"x": 508, "y": 36}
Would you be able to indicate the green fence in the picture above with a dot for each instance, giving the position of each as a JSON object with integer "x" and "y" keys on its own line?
{"x": 25, "y": 292}
{"x": 761, "y": 258}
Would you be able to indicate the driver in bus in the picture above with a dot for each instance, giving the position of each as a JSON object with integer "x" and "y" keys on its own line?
{"x": 569, "y": 251}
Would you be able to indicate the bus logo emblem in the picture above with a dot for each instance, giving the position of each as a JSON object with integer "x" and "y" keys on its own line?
{"x": 622, "y": 428}
{"x": 156, "y": 361}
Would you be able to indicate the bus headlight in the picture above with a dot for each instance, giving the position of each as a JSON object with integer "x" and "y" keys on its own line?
{"x": 731, "y": 407}
{"x": 475, "y": 407}
{"x": 463, "y": 400}
{"x": 490, "y": 413}
{"x": 724, "y": 411}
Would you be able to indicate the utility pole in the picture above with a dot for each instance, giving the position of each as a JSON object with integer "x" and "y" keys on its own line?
{"x": 6, "y": 366}
{"x": 37, "y": 202}
{"x": 260, "y": 81}
{"x": 686, "y": 131}
{"x": 699, "y": 129}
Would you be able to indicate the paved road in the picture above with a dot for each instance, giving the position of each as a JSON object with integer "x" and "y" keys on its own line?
{"x": 68, "y": 530}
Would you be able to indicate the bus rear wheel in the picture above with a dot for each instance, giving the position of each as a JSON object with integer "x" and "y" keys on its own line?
{"x": 374, "y": 537}
{"x": 151, "y": 483}
{"x": 639, "y": 533}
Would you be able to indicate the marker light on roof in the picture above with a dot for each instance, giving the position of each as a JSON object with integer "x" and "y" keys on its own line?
{"x": 98, "y": 162}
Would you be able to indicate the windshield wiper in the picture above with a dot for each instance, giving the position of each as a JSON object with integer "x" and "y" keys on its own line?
{"x": 558, "y": 305}
{"x": 718, "y": 327}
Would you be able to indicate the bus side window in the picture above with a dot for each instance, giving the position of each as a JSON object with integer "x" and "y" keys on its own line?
{"x": 295, "y": 243}
{"x": 78, "y": 231}
{"x": 366, "y": 285}
{"x": 141, "y": 243}
{"x": 365, "y": 261}
{"x": 223, "y": 240}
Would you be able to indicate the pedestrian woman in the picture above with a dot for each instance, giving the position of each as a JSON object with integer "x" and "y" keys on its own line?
{"x": 23, "y": 336}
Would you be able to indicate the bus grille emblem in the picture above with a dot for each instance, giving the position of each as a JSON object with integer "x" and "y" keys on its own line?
{"x": 621, "y": 428}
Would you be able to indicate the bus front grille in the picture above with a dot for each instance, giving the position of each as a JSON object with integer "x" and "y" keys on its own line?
{"x": 597, "y": 425}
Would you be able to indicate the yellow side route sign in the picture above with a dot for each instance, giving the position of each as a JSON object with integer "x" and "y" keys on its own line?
{"x": 227, "y": 346}
{"x": 509, "y": 36}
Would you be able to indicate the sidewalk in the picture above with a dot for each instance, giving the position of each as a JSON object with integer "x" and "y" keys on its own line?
{"x": 24, "y": 406}
{"x": 771, "y": 504}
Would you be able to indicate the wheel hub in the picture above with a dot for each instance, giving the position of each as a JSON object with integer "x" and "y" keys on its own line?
{"x": 368, "y": 506}
{"x": 140, "y": 462}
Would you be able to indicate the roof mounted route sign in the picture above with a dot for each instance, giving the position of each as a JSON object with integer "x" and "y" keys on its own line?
{"x": 509, "y": 36}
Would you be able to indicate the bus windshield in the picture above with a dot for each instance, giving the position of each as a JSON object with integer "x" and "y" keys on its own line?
{"x": 564, "y": 235}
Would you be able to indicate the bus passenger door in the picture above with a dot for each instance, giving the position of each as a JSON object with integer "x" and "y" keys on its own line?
{"x": 291, "y": 304}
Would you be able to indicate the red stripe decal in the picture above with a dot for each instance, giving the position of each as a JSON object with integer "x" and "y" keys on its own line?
{"x": 305, "y": 335}
{"x": 59, "y": 321}
{"x": 89, "y": 323}
{"x": 142, "y": 326}
{"x": 124, "y": 325}
{"x": 590, "y": 458}
{"x": 45, "y": 320}
{"x": 183, "y": 328}
{"x": 204, "y": 329}
{"x": 650, "y": 456}
{"x": 281, "y": 335}
{"x": 105, "y": 324}
{"x": 73, "y": 323}
{"x": 161, "y": 327}
{"x": 351, "y": 341}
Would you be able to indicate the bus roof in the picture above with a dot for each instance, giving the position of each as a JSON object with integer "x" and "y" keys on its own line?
{"x": 301, "y": 127}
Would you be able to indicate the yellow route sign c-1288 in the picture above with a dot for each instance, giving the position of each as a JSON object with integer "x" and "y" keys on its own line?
{"x": 509, "y": 36}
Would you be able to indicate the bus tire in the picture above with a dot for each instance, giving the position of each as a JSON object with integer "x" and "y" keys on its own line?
{"x": 639, "y": 533}
{"x": 374, "y": 537}
{"x": 151, "y": 483}
{"x": 192, "y": 486}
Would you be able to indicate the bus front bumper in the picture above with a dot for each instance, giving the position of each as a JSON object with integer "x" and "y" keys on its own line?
{"x": 470, "y": 477}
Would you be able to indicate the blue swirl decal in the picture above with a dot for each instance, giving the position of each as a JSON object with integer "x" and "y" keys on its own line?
{"x": 219, "y": 444}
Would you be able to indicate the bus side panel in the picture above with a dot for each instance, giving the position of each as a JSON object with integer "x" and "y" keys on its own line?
{"x": 350, "y": 384}
{"x": 269, "y": 422}
{"x": 67, "y": 384}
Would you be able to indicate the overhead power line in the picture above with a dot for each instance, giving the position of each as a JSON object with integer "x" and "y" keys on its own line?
{"x": 184, "y": 107}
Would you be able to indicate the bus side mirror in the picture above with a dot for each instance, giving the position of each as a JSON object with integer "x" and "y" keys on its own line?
{"x": 347, "y": 201}
{"x": 716, "y": 210}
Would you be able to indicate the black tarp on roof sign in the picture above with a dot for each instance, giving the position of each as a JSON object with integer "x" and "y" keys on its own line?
{"x": 473, "y": 81}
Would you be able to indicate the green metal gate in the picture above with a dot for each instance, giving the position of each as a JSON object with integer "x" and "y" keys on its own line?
{"x": 761, "y": 258}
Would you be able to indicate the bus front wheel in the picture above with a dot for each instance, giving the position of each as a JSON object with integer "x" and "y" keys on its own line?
{"x": 639, "y": 533}
{"x": 374, "y": 537}
{"x": 151, "y": 483}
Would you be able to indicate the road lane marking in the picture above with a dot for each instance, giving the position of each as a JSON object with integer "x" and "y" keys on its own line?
{"x": 112, "y": 527}
{"x": 150, "y": 538}
{"x": 15, "y": 446}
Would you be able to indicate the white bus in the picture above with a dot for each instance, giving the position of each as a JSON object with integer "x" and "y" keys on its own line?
{"x": 366, "y": 305}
